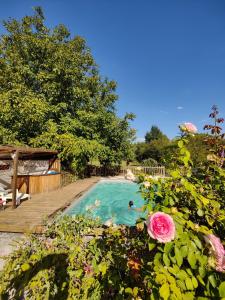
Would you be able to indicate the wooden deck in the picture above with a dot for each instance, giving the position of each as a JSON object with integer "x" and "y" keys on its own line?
{"x": 29, "y": 216}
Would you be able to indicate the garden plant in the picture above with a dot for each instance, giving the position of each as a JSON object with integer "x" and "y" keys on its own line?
{"x": 176, "y": 252}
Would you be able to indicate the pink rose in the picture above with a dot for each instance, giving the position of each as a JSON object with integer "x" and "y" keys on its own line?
{"x": 217, "y": 250}
{"x": 161, "y": 227}
{"x": 188, "y": 128}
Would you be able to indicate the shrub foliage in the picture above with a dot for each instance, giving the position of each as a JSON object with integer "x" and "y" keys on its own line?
{"x": 78, "y": 258}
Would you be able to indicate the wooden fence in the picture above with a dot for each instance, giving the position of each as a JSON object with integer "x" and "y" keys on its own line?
{"x": 112, "y": 171}
{"x": 67, "y": 178}
{"x": 102, "y": 171}
{"x": 153, "y": 171}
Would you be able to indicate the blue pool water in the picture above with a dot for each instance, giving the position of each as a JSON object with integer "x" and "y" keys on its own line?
{"x": 112, "y": 202}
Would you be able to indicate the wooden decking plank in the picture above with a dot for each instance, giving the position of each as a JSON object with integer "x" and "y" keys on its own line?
{"x": 29, "y": 216}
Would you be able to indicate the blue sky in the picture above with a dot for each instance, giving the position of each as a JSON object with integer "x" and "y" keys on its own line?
{"x": 168, "y": 57}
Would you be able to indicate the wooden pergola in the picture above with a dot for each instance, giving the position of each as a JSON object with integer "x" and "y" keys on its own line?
{"x": 16, "y": 153}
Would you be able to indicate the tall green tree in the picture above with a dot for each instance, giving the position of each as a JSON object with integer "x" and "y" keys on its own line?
{"x": 52, "y": 95}
{"x": 154, "y": 146}
{"x": 155, "y": 134}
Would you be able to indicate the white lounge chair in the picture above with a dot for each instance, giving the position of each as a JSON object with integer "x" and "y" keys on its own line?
{"x": 19, "y": 197}
{"x": 2, "y": 199}
{"x": 3, "y": 193}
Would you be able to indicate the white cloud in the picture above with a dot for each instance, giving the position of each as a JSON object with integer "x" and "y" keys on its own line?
{"x": 164, "y": 112}
{"x": 180, "y": 107}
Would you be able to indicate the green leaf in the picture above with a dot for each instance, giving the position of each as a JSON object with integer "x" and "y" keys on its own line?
{"x": 172, "y": 258}
{"x": 175, "y": 174}
{"x": 175, "y": 290}
{"x": 78, "y": 272}
{"x": 200, "y": 212}
{"x": 204, "y": 200}
{"x": 157, "y": 258}
{"x": 198, "y": 243}
{"x": 188, "y": 270}
{"x": 180, "y": 144}
{"x": 102, "y": 268}
{"x": 171, "y": 202}
{"x": 151, "y": 246}
{"x": 184, "y": 251}
{"x": 195, "y": 282}
{"x": 164, "y": 291}
{"x": 34, "y": 257}
{"x": 33, "y": 284}
{"x": 189, "y": 283}
{"x": 210, "y": 220}
{"x": 192, "y": 259}
{"x": 135, "y": 291}
{"x": 182, "y": 275}
{"x": 25, "y": 267}
{"x": 129, "y": 291}
{"x": 168, "y": 247}
{"x": 181, "y": 284}
{"x": 212, "y": 280}
{"x": 202, "y": 271}
{"x": 222, "y": 289}
{"x": 201, "y": 280}
{"x": 172, "y": 271}
{"x": 160, "y": 278}
{"x": 166, "y": 259}
{"x": 179, "y": 257}
{"x": 188, "y": 296}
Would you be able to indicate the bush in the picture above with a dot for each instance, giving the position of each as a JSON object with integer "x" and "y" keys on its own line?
{"x": 172, "y": 254}
{"x": 150, "y": 162}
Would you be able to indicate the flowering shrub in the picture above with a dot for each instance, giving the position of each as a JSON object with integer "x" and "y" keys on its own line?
{"x": 175, "y": 253}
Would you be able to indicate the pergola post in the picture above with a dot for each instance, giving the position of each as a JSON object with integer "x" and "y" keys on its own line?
{"x": 52, "y": 162}
{"x": 14, "y": 180}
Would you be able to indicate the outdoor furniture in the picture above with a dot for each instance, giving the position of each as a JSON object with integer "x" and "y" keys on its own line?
{"x": 19, "y": 196}
{"x": 2, "y": 198}
{"x": 2, "y": 201}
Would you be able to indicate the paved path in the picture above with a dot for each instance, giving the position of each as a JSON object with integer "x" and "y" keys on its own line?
{"x": 29, "y": 216}
{"x": 8, "y": 242}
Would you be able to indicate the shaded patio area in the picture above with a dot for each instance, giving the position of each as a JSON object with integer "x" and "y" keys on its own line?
{"x": 29, "y": 216}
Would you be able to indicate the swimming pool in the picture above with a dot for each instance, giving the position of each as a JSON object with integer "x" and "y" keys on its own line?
{"x": 112, "y": 202}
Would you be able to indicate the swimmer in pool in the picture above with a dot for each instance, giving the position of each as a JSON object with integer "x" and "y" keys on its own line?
{"x": 132, "y": 206}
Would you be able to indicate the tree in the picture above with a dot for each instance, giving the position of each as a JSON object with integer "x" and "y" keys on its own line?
{"x": 153, "y": 147}
{"x": 155, "y": 134}
{"x": 52, "y": 95}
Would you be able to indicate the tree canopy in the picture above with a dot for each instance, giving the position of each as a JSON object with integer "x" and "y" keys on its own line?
{"x": 158, "y": 147}
{"x": 52, "y": 95}
{"x": 154, "y": 147}
{"x": 155, "y": 134}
